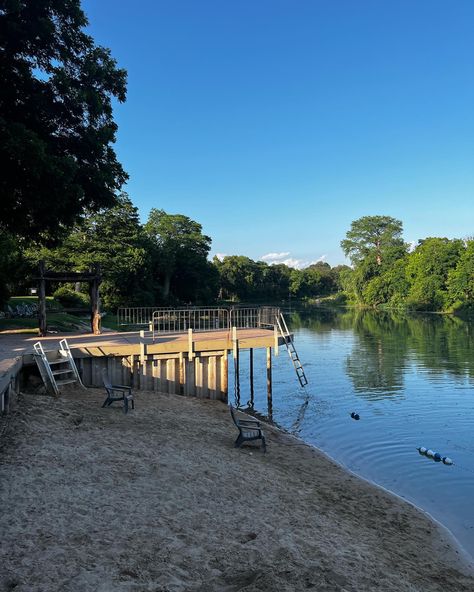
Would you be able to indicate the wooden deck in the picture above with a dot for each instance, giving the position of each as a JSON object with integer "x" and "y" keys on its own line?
{"x": 131, "y": 343}
{"x": 191, "y": 363}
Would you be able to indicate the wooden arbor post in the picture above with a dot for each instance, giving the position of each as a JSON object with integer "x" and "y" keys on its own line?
{"x": 93, "y": 278}
{"x": 95, "y": 300}
{"x": 42, "y": 300}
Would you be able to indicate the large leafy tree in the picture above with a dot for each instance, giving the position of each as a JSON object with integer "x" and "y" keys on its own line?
{"x": 374, "y": 238}
{"x": 56, "y": 124}
{"x": 461, "y": 279}
{"x": 115, "y": 239}
{"x": 428, "y": 270}
{"x": 240, "y": 277}
{"x": 180, "y": 255}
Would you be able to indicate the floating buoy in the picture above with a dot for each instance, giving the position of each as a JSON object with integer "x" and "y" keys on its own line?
{"x": 355, "y": 415}
{"x": 436, "y": 456}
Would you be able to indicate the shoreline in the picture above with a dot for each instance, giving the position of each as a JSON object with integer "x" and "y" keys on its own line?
{"x": 465, "y": 555}
{"x": 160, "y": 499}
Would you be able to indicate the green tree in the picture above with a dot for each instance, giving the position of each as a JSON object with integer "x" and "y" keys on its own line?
{"x": 11, "y": 265}
{"x": 276, "y": 281}
{"x": 181, "y": 249}
{"x": 238, "y": 277}
{"x": 460, "y": 284}
{"x": 389, "y": 288}
{"x": 115, "y": 239}
{"x": 428, "y": 268}
{"x": 56, "y": 124}
{"x": 374, "y": 237}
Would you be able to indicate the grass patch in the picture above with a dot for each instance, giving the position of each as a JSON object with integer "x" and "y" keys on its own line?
{"x": 57, "y": 321}
{"x": 110, "y": 322}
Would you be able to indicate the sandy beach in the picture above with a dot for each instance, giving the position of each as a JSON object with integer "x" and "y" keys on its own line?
{"x": 160, "y": 500}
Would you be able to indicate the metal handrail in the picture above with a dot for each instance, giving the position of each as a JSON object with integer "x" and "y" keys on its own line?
{"x": 238, "y": 316}
{"x": 179, "y": 320}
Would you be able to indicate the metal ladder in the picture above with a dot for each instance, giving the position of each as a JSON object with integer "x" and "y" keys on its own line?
{"x": 291, "y": 349}
{"x": 60, "y": 371}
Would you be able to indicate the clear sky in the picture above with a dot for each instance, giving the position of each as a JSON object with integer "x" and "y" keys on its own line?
{"x": 276, "y": 123}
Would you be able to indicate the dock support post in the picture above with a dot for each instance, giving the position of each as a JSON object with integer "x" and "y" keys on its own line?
{"x": 143, "y": 352}
{"x": 225, "y": 376}
{"x": 269, "y": 382}
{"x": 237, "y": 371}
{"x": 251, "y": 376}
{"x": 235, "y": 350}
{"x": 181, "y": 373}
{"x": 132, "y": 371}
{"x": 190, "y": 345}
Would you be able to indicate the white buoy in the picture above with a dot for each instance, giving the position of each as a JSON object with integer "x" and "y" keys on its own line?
{"x": 422, "y": 450}
{"x": 429, "y": 453}
{"x": 447, "y": 460}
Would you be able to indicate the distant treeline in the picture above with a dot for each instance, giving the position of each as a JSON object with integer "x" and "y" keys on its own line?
{"x": 162, "y": 262}
{"x": 437, "y": 274}
{"x": 165, "y": 262}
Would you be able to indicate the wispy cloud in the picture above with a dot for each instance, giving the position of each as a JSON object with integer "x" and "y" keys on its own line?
{"x": 221, "y": 256}
{"x": 286, "y": 259}
{"x": 273, "y": 257}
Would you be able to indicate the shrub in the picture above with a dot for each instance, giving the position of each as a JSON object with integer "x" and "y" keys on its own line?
{"x": 71, "y": 299}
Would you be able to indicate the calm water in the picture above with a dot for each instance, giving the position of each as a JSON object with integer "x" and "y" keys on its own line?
{"x": 411, "y": 379}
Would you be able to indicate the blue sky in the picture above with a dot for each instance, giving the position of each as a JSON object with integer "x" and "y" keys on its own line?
{"x": 275, "y": 124}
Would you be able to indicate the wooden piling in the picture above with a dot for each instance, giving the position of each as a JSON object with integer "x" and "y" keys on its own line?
{"x": 181, "y": 373}
{"x": 237, "y": 370}
{"x": 251, "y": 376}
{"x": 190, "y": 345}
{"x": 269, "y": 381}
{"x": 225, "y": 376}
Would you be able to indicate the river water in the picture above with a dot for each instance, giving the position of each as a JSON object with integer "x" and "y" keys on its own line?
{"x": 411, "y": 380}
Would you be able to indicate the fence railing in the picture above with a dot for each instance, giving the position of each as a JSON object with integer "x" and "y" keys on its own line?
{"x": 177, "y": 320}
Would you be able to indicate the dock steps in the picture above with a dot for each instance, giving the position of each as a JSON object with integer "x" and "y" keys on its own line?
{"x": 291, "y": 349}
{"x": 49, "y": 376}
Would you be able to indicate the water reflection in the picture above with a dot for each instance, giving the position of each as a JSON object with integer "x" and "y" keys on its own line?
{"x": 386, "y": 343}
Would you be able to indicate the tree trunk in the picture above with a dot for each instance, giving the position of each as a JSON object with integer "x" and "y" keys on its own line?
{"x": 166, "y": 285}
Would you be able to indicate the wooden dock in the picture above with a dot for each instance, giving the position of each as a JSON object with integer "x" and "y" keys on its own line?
{"x": 188, "y": 363}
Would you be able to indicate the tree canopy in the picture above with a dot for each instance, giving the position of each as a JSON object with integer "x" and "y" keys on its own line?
{"x": 374, "y": 237}
{"x": 56, "y": 123}
{"x": 181, "y": 251}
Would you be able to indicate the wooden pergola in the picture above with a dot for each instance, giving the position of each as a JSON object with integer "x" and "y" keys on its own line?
{"x": 92, "y": 277}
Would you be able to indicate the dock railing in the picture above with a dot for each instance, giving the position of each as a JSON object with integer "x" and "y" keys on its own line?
{"x": 178, "y": 320}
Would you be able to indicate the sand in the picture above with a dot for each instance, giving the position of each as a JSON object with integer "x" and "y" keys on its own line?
{"x": 160, "y": 500}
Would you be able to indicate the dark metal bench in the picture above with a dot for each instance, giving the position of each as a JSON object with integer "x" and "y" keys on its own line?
{"x": 117, "y": 392}
{"x": 249, "y": 429}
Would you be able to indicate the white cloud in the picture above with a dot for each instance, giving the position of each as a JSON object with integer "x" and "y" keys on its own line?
{"x": 221, "y": 256}
{"x": 274, "y": 257}
{"x": 296, "y": 263}
{"x": 286, "y": 259}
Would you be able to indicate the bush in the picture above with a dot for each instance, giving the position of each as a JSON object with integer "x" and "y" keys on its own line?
{"x": 71, "y": 299}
